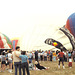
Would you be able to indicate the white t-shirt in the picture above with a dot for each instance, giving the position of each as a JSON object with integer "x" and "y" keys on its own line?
{"x": 16, "y": 59}
{"x": 9, "y": 56}
{"x": 45, "y": 54}
{"x": 39, "y": 54}
{"x": 70, "y": 60}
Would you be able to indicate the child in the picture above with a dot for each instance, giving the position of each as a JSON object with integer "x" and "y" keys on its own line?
{"x": 54, "y": 56}
{"x": 70, "y": 62}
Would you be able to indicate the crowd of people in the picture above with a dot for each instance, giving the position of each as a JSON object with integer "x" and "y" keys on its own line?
{"x": 26, "y": 60}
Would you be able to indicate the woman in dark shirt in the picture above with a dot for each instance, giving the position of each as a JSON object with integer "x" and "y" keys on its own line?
{"x": 40, "y": 67}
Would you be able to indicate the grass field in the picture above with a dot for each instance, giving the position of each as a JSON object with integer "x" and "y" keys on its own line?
{"x": 53, "y": 70}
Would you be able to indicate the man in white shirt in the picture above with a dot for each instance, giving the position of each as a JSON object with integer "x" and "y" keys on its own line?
{"x": 17, "y": 61}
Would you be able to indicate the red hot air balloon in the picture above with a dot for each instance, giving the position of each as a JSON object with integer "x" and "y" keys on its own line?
{"x": 70, "y": 24}
{"x": 0, "y": 37}
{"x": 5, "y": 42}
{"x": 1, "y": 44}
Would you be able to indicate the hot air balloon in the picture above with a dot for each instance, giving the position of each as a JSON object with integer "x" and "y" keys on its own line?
{"x": 5, "y": 42}
{"x": 70, "y": 24}
{"x": 55, "y": 43}
{"x": 63, "y": 38}
{"x": 14, "y": 43}
{"x": 69, "y": 35}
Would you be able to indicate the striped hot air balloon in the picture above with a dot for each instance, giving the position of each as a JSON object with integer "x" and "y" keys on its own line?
{"x": 70, "y": 24}
{"x": 14, "y": 42}
{"x": 5, "y": 42}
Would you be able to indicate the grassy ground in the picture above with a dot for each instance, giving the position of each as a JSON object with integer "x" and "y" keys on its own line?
{"x": 53, "y": 70}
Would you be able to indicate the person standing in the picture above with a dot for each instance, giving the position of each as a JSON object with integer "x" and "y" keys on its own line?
{"x": 65, "y": 57}
{"x": 33, "y": 53}
{"x": 41, "y": 56}
{"x": 30, "y": 57}
{"x": 3, "y": 59}
{"x": 51, "y": 55}
{"x": 25, "y": 62}
{"x": 45, "y": 56}
{"x": 61, "y": 59}
{"x": 36, "y": 55}
{"x": 73, "y": 54}
{"x": 10, "y": 61}
{"x": 54, "y": 56}
{"x": 69, "y": 55}
{"x": 70, "y": 62}
{"x": 17, "y": 61}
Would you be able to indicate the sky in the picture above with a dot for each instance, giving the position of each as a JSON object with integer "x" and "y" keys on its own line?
{"x": 19, "y": 16}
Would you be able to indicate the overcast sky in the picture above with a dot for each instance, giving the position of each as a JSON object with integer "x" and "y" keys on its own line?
{"x": 19, "y": 16}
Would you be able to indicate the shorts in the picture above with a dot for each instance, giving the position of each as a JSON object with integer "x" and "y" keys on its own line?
{"x": 45, "y": 58}
{"x": 9, "y": 61}
{"x": 3, "y": 62}
{"x": 70, "y": 64}
{"x": 39, "y": 57}
{"x": 61, "y": 59}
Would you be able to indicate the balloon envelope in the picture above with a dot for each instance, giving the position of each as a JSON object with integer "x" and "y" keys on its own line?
{"x": 5, "y": 42}
{"x": 14, "y": 43}
{"x": 70, "y": 24}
